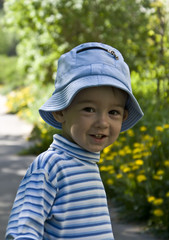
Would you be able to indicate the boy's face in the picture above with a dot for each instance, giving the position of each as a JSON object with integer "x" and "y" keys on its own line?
{"x": 94, "y": 118}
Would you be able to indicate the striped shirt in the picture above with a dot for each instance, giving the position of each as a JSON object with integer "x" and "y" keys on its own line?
{"x": 61, "y": 197}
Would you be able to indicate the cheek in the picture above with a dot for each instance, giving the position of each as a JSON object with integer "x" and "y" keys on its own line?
{"x": 76, "y": 135}
{"x": 79, "y": 130}
{"x": 115, "y": 130}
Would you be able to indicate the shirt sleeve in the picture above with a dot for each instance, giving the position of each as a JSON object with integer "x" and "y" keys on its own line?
{"x": 31, "y": 208}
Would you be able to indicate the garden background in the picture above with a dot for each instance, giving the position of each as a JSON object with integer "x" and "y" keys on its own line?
{"x": 33, "y": 35}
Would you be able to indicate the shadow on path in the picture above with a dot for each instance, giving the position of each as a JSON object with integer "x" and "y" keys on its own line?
{"x": 13, "y": 134}
{"x": 12, "y": 169}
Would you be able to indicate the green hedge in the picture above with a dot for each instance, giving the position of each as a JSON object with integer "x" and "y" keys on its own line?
{"x": 10, "y": 75}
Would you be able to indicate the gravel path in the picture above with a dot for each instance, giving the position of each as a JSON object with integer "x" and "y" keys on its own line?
{"x": 13, "y": 133}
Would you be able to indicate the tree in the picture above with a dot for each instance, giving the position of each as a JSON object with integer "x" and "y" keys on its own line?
{"x": 139, "y": 29}
{"x": 158, "y": 46}
{"x": 48, "y": 28}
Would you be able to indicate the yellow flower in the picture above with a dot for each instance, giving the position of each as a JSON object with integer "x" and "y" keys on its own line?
{"x": 127, "y": 150}
{"x": 143, "y": 129}
{"x": 147, "y": 138}
{"x": 103, "y": 168}
{"x": 137, "y": 150}
{"x": 160, "y": 172}
{"x": 117, "y": 144}
{"x": 19, "y": 114}
{"x": 150, "y": 144}
{"x": 101, "y": 160}
{"x": 44, "y": 130}
{"x": 158, "y": 212}
{"x": 118, "y": 176}
{"x": 166, "y": 126}
{"x": 130, "y": 132}
{"x": 139, "y": 145}
{"x": 146, "y": 154}
{"x": 167, "y": 194}
{"x": 110, "y": 167}
{"x": 109, "y": 158}
{"x": 166, "y": 163}
{"x": 151, "y": 199}
{"x": 41, "y": 120}
{"x": 130, "y": 175}
{"x": 135, "y": 167}
{"x": 137, "y": 156}
{"x": 139, "y": 162}
{"x": 122, "y": 153}
{"x": 126, "y": 169}
{"x": 110, "y": 181}
{"x": 158, "y": 201}
{"x": 107, "y": 150}
{"x": 159, "y": 129}
{"x": 157, "y": 177}
{"x": 123, "y": 139}
{"x": 159, "y": 143}
{"x": 141, "y": 178}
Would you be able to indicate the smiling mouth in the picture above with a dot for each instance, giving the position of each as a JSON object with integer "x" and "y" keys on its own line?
{"x": 99, "y": 136}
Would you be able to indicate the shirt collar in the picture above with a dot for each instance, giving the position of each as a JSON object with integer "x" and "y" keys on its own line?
{"x": 73, "y": 149}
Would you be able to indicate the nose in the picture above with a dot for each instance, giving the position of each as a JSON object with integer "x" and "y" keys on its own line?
{"x": 101, "y": 120}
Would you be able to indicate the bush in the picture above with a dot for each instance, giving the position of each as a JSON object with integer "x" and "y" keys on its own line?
{"x": 8, "y": 40}
{"x": 42, "y": 135}
{"x": 135, "y": 170}
{"x": 10, "y": 75}
{"x": 26, "y": 100}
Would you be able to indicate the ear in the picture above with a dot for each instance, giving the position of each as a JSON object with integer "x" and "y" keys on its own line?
{"x": 125, "y": 115}
{"x": 58, "y": 116}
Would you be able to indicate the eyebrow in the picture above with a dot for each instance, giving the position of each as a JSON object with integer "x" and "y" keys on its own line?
{"x": 86, "y": 101}
{"x": 92, "y": 101}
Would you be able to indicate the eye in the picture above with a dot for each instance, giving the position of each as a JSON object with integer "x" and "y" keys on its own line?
{"x": 114, "y": 112}
{"x": 89, "y": 109}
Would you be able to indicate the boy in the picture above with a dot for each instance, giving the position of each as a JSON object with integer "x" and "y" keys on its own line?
{"x": 62, "y": 195}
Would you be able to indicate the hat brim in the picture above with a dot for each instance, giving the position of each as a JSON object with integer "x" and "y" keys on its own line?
{"x": 62, "y": 99}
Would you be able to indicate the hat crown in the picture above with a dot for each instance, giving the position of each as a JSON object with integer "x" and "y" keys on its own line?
{"x": 91, "y": 59}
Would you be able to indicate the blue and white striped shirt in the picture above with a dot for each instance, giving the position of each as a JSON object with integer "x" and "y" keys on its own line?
{"x": 61, "y": 197}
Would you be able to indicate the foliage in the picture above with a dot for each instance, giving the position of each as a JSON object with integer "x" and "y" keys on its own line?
{"x": 158, "y": 47}
{"x": 10, "y": 75}
{"x": 20, "y": 99}
{"x": 7, "y": 39}
{"x": 135, "y": 170}
{"x": 26, "y": 100}
{"x": 42, "y": 136}
{"x": 47, "y": 28}
{"x": 154, "y": 108}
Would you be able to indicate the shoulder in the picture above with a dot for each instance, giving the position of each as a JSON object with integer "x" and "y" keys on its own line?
{"x": 45, "y": 161}
{"x": 49, "y": 163}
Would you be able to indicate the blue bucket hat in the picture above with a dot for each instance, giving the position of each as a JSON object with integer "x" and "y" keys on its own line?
{"x": 90, "y": 65}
